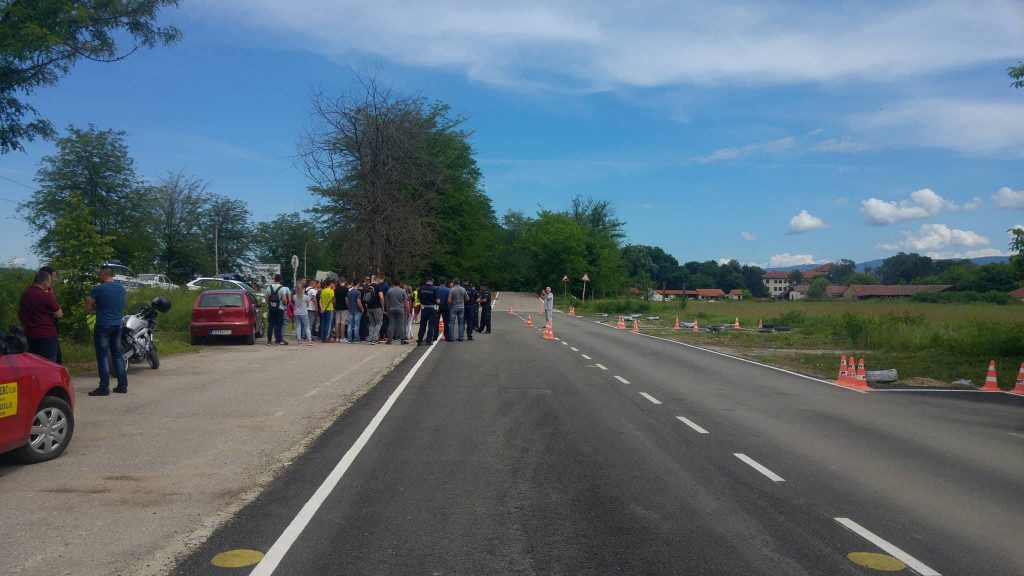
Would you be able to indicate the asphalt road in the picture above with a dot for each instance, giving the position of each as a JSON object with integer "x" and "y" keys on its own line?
{"x": 607, "y": 452}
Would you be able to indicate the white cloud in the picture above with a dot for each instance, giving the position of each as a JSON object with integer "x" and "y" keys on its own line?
{"x": 749, "y": 236}
{"x": 805, "y": 222}
{"x": 786, "y": 259}
{"x": 974, "y": 205}
{"x": 840, "y": 145}
{"x": 654, "y": 43}
{"x": 932, "y": 237}
{"x": 923, "y": 203}
{"x": 983, "y": 253}
{"x": 1009, "y": 199}
{"x": 975, "y": 127}
{"x": 724, "y": 261}
{"x": 757, "y": 148}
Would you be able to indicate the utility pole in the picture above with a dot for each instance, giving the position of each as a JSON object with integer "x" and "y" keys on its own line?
{"x": 304, "y": 272}
{"x": 216, "y": 253}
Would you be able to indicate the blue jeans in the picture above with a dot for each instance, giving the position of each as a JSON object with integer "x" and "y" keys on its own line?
{"x": 458, "y": 318}
{"x": 326, "y": 323}
{"x": 107, "y": 341}
{"x": 302, "y": 331}
{"x": 352, "y": 329}
{"x": 45, "y": 347}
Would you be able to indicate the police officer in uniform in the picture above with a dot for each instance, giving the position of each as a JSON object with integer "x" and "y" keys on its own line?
{"x": 428, "y": 311}
{"x": 471, "y": 308}
{"x": 484, "y": 298}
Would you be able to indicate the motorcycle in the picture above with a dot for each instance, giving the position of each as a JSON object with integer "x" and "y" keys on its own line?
{"x": 137, "y": 335}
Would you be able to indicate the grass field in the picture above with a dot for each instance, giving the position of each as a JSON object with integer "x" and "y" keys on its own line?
{"x": 943, "y": 342}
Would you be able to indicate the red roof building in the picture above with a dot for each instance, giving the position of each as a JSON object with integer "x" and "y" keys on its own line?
{"x": 1018, "y": 293}
{"x": 865, "y": 291}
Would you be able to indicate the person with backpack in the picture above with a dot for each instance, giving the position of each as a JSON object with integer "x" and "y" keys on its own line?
{"x": 373, "y": 302}
{"x": 278, "y": 296}
{"x": 355, "y": 312}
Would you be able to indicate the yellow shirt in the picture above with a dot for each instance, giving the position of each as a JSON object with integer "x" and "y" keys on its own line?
{"x": 327, "y": 300}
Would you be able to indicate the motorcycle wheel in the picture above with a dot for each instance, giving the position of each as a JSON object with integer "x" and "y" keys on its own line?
{"x": 152, "y": 357}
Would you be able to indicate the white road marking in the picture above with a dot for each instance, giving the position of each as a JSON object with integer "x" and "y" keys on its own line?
{"x": 601, "y": 366}
{"x": 564, "y": 343}
{"x": 753, "y": 464}
{"x": 913, "y": 563}
{"x": 573, "y": 349}
{"x": 585, "y": 357}
{"x": 621, "y": 379}
{"x": 278, "y": 414}
{"x": 691, "y": 424}
{"x": 287, "y": 538}
{"x": 651, "y": 398}
{"x": 557, "y": 339}
{"x": 311, "y": 392}
{"x": 1017, "y": 435}
{"x": 754, "y": 362}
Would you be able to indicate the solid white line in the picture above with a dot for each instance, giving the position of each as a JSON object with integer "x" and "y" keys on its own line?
{"x": 284, "y": 542}
{"x": 651, "y": 398}
{"x": 601, "y": 366}
{"x": 573, "y": 349}
{"x": 621, "y": 379}
{"x": 913, "y": 563}
{"x": 585, "y": 357}
{"x": 691, "y": 424}
{"x": 753, "y": 464}
{"x": 769, "y": 366}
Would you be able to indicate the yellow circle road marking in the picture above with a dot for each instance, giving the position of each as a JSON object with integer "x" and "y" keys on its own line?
{"x": 237, "y": 558}
{"x": 882, "y": 562}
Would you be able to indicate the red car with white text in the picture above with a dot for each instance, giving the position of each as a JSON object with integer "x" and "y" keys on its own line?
{"x": 226, "y": 313}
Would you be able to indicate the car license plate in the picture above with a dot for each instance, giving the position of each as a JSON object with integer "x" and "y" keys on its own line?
{"x": 220, "y": 332}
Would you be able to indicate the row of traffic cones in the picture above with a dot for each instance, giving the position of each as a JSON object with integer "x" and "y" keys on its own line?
{"x": 992, "y": 382}
{"x": 852, "y": 374}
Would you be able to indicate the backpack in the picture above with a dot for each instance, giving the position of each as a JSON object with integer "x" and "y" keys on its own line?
{"x": 369, "y": 295}
{"x": 274, "y": 299}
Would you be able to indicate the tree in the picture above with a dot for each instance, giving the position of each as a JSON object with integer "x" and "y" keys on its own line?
{"x": 1016, "y": 74}
{"x": 292, "y": 234}
{"x": 41, "y": 40}
{"x": 597, "y": 216}
{"x": 796, "y": 277}
{"x": 639, "y": 266}
{"x": 818, "y": 288}
{"x": 178, "y": 204}
{"x": 841, "y": 270}
{"x": 903, "y": 268}
{"x": 227, "y": 234}
{"x": 95, "y": 166}
{"x": 752, "y": 279}
{"x": 77, "y": 249}
{"x": 372, "y": 156}
{"x": 1017, "y": 247}
{"x": 862, "y": 278}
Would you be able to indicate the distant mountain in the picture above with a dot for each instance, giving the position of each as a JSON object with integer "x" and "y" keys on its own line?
{"x": 874, "y": 264}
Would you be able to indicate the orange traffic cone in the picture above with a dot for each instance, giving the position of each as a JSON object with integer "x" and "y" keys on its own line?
{"x": 861, "y": 372}
{"x": 736, "y": 324}
{"x": 572, "y": 310}
{"x": 529, "y": 321}
{"x": 636, "y": 327}
{"x": 1018, "y": 388}
{"x": 696, "y": 326}
{"x": 991, "y": 382}
{"x": 842, "y": 367}
{"x": 676, "y": 325}
{"x": 850, "y": 375}
{"x": 621, "y": 325}
{"x": 510, "y": 311}
{"x": 549, "y": 333}
{"x": 440, "y": 329}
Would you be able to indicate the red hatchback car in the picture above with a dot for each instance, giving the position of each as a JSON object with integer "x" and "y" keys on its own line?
{"x": 226, "y": 313}
{"x": 36, "y": 403}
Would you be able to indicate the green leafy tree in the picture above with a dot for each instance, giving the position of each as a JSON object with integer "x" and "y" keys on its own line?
{"x": 77, "y": 249}
{"x": 752, "y": 279}
{"x": 818, "y": 288}
{"x": 862, "y": 278}
{"x": 639, "y": 267}
{"x": 40, "y": 41}
{"x": 178, "y": 204}
{"x": 841, "y": 270}
{"x": 903, "y": 268}
{"x": 95, "y": 166}
{"x": 227, "y": 234}
{"x": 1016, "y": 73}
{"x": 796, "y": 277}
{"x": 291, "y": 234}
{"x": 1017, "y": 248}
{"x": 730, "y": 276}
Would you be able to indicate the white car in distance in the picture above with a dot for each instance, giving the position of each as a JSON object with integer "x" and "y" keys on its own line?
{"x": 157, "y": 281}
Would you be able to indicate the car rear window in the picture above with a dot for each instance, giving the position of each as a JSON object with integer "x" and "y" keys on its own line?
{"x": 208, "y": 300}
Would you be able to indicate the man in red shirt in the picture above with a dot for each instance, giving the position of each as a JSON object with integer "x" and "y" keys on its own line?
{"x": 38, "y": 311}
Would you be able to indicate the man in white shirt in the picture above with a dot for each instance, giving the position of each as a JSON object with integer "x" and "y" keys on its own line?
{"x": 549, "y": 304}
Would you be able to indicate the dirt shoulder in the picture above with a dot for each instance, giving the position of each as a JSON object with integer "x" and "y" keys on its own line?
{"x": 150, "y": 473}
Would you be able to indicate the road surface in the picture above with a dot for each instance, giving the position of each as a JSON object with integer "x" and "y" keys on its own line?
{"x": 606, "y": 452}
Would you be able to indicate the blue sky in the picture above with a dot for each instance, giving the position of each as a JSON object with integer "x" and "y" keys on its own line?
{"x": 776, "y": 133}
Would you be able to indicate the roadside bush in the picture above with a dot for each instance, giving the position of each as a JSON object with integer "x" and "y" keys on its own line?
{"x": 966, "y": 297}
{"x": 12, "y": 283}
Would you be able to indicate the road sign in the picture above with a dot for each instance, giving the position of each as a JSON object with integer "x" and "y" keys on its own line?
{"x": 295, "y": 261}
{"x": 565, "y": 278}
{"x": 586, "y": 277}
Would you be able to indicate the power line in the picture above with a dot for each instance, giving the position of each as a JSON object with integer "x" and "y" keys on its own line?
{"x": 12, "y": 180}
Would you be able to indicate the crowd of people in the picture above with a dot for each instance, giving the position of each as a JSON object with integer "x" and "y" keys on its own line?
{"x": 375, "y": 311}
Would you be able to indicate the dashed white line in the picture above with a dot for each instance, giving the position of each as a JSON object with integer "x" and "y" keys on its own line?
{"x": 911, "y": 562}
{"x": 573, "y": 349}
{"x": 585, "y": 357}
{"x": 621, "y": 379}
{"x": 753, "y": 464}
{"x": 564, "y": 343}
{"x": 559, "y": 340}
{"x": 691, "y": 424}
{"x": 651, "y": 398}
{"x": 601, "y": 366}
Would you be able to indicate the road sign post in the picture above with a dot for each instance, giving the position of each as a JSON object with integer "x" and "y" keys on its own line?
{"x": 586, "y": 278}
{"x": 565, "y": 288}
